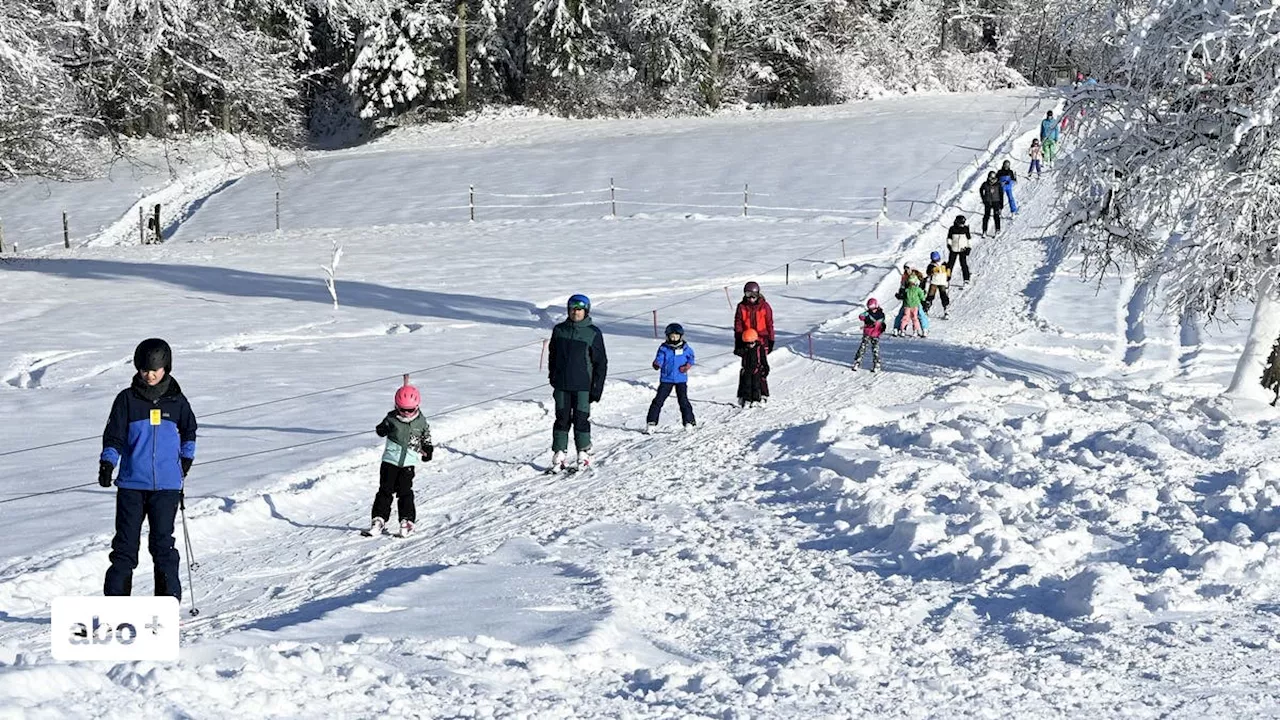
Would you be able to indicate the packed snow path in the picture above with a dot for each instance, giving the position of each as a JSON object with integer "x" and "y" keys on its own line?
{"x": 970, "y": 533}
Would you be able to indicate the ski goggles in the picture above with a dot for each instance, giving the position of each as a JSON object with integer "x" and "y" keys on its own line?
{"x": 578, "y": 305}
{"x": 751, "y": 296}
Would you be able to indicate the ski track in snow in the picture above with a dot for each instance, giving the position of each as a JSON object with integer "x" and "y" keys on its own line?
{"x": 975, "y": 532}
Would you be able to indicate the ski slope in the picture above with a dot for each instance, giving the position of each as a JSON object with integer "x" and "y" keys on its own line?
{"x": 1041, "y": 509}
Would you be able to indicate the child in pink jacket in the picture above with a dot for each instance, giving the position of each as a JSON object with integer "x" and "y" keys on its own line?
{"x": 873, "y": 326}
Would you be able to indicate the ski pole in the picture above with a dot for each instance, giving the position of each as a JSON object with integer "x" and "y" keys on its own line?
{"x": 186, "y": 539}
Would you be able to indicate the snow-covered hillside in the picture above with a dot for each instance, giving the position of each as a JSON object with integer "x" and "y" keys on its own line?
{"x": 1040, "y": 510}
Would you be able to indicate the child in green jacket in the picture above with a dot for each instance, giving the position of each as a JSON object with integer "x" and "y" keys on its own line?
{"x": 408, "y": 438}
{"x": 912, "y": 299}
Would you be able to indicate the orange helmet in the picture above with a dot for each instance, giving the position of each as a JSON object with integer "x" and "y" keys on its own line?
{"x": 750, "y": 335}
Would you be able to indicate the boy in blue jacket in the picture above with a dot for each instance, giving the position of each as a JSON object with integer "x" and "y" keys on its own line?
{"x": 674, "y": 359}
{"x": 151, "y": 436}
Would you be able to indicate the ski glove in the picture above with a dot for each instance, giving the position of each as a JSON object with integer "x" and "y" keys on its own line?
{"x": 656, "y": 366}
{"x": 186, "y": 466}
{"x": 427, "y": 452}
{"x": 104, "y": 473}
{"x": 383, "y": 429}
{"x": 684, "y": 368}
{"x": 594, "y": 395}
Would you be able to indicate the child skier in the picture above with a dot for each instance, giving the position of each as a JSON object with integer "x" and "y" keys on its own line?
{"x": 909, "y": 274}
{"x": 753, "y": 382}
{"x": 873, "y": 326}
{"x": 939, "y": 279}
{"x": 151, "y": 436}
{"x": 408, "y": 437}
{"x": 911, "y": 303}
{"x": 1008, "y": 178}
{"x": 1036, "y": 154}
{"x": 674, "y": 359}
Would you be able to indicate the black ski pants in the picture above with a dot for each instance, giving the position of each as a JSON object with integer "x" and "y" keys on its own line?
{"x": 990, "y": 210}
{"x": 397, "y": 481}
{"x": 159, "y": 508}
{"x": 963, "y": 257}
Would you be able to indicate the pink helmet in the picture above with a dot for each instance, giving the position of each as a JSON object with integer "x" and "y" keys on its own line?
{"x": 873, "y": 303}
{"x": 407, "y": 398}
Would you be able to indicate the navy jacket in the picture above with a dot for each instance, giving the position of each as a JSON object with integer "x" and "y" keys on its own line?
{"x": 147, "y": 439}
{"x": 576, "y": 358}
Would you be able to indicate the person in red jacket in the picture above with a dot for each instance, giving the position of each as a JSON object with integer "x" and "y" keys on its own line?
{"x": 754, "y": 313}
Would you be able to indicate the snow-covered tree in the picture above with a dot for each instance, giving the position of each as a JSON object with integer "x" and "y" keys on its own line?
{"x": 1177, "y": 169}
{"x": 42, "y": 119}
{"x": 405, "y": 60}
{"x": 563, "y": 36}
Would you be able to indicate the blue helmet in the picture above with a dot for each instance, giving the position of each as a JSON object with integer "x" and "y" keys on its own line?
{"x": 674, "y": 329}
{"x": 579, "y": 301}
{"x": 935, "y": 256}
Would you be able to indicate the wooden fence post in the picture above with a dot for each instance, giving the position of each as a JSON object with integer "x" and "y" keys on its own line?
{"x": 1, "y": 237}
{"x": 655, "y": 324}
{"x": 726, "y": 295}
{"x": 471, "y": 201}
{"x": 745, "y": 186}
{"x": 66, "y": 231}
{"x": 613, "y": 199}
{"x": 810, "y": 346}
{"x": 843, "y": 254}
{"x": 877, "y": 230}
{"x": 884, "y": 203}
{"x": 277, "y": 211}
{"x": 788, "y": 280}
{"x": 543, "y": 354}
{"x": 142, "y": 227}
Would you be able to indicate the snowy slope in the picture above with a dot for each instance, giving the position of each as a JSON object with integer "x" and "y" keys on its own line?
{"x": 1018, "y": 516}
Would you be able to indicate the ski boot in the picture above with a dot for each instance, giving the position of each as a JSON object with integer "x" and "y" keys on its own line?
{"x": 406, "y": 528}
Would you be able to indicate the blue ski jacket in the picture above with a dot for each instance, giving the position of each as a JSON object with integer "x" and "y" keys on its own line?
{"x": 148, "y": 438}
{"x": 669, "y": 360}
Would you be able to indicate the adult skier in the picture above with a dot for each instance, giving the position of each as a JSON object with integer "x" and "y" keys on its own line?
{"x": 577, "y": 366}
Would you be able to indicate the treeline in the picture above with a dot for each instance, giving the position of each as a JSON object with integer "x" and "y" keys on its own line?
{"x": 292, "y": 71}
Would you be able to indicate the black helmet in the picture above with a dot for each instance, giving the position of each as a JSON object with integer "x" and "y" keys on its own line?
{"x": 751, "y": 287}
{"x": 1049, "y": 114}
{"x": 961, "y": 220}
{"x": 674, "y": 329}
{"x": 153, "y": 354}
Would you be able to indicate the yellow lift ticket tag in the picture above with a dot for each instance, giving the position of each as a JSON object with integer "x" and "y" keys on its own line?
{"x": 155, "y": 416}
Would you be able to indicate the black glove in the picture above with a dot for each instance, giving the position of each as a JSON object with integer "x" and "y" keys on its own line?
{"x": 104, "y": 473}
{"x": 656, "y": 366}
{"x": 186, "y": 466}
{"x": 383, "y": 429}
{"x": 427, "y": 451}
{"x": 594, "y": 395}
{"x": 770, "y": 349}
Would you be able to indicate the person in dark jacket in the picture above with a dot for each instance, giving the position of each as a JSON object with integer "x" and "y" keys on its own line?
{"x": 151, "y": 437}
{"x": 577, "y": 365}
{"x": 674, "y": 358}
{"x": 992, "y": 201}
{"x": 753, "y": 382}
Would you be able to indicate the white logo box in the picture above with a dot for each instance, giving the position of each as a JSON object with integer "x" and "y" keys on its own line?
{"x": 114, "y": 628}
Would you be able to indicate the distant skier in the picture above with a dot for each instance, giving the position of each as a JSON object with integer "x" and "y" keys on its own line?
{"x": 1049, "y": 136}
{"x": 577, "y": 366}
{"x": 753, "y": 378}
{"x": 939, "y": 280}
{"x": 873, "y": 326}
{"x": 1036, "y": 155}
{"x": 408, "y": 439}
{"x": 959, "y": 242}
{"x": 992, "y": 195}
{"x": 151, "y": 436}
{"x": 1008, "y": 178}
{"x": 754, "y": 313}
{"x": 910, "y": 276}
{"x": 911, "y": 302}
{"x": 674, "y": 358}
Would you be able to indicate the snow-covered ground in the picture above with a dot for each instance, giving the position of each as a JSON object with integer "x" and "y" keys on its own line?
{"x": 1041, "y": 509}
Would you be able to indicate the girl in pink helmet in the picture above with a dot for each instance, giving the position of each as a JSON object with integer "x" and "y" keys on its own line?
{"x": 873, "y": 326}
{"x": 408, "y": 439}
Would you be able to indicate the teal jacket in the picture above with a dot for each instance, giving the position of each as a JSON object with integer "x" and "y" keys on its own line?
{"x": 406, "y": 440}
